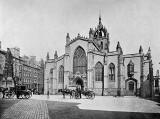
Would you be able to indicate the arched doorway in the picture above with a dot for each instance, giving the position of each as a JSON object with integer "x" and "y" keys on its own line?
{"x": 131, "y": 86}
{"x": 79, "y": 82}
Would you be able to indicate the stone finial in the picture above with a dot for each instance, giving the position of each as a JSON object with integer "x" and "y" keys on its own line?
{"x": 118, "y": 45}
{"x": 67, "y": 35}
{"x": 55, "y": 55}
{"x": 78, "y": 35}
{"x": 91, "y": 33}
{"x": 140, "y": 50}
{"x": 118, "y": 48}
{"x": 149, "y": 53}
{"x": 149, "y": 50}
{"x": 157, "y": 73}
{"x": 67, "y": 38}
{"x": 47, "y": 57}
{"x": 100, "y": 19}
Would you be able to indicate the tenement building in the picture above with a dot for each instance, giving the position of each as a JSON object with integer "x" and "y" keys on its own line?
{"x": 6, "y": 71}
{"x": 17, "y": 70}
{"x": 2, "y": 63}
{"x": 88, "y": 62}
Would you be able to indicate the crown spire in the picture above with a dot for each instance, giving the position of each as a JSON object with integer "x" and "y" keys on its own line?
{"x": 99, "y": 17}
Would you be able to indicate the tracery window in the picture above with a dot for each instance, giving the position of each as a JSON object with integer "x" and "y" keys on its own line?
{"x": 98, "y": 71}
{"x": 130, "y": 69}
{"x": 79, "y": 61}
{"x": 111, "y": 72}
{"x": 61, "y": 74}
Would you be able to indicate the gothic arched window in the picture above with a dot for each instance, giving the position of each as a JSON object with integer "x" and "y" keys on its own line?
{"x": 79, "y": 61}
{"x": 111, "y": 72}
{"x": 98, "y": 71}
{"x": 61, "y": 74}
{"x": 130, "y": 69}
{"x": 101, "y": 45}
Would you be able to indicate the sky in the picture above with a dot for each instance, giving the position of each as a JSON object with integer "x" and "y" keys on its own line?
{"x": 40, "y": 26}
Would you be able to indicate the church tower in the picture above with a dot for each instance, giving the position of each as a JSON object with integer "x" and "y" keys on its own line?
{"x": 100, "y": 36}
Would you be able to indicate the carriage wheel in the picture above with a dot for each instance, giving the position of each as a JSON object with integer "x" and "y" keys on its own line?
{"x": 13, "y": 94}
{"x": 27, "y": 96}
{"x": 91, "y": 95}
{"x": 9, "y": 95}
{"x": 23, "y": 96}
{"x": 6, "y": 95}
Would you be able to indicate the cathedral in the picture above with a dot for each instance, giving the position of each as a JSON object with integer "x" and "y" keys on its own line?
{"x": 89, "y": 63}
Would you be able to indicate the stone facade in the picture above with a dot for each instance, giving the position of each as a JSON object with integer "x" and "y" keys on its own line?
{"x": 2, "y": 67}
{"x": 22, "y": 70}
{"x": 88, "y": 62}
{"x": 7, "y": 70}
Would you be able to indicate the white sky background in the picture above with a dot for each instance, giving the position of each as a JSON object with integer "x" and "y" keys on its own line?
{"x": 39, "y": 26}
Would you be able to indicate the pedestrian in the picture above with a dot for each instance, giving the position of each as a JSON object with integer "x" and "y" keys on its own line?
{"x": 63, "y": 92}
{"x": 3, "y": 92}
{"x": 48, "y": 94}
{"x": 79, "y": 91}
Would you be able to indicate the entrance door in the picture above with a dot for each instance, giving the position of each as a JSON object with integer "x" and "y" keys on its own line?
{"x": 131, "y": 91}
{"x": 131, "y": 86}
{"x": 80, "y": 82}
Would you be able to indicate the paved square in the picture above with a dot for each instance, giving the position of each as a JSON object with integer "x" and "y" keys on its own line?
{"x": 109, "y": 103}
{"x": 37, "y": 107}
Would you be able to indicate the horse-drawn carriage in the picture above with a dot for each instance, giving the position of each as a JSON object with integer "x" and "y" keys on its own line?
{"x": 8, "y": 93}
{"x": 22, "y": 92}
{"x": 74, "y": 93}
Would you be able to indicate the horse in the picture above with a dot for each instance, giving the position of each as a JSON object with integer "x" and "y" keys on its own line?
{"x": 66, "y": 92}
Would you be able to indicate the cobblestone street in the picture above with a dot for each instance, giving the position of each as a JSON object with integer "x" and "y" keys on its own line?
{"x": 27, "y": 109}
{"x": 41, "y": 107}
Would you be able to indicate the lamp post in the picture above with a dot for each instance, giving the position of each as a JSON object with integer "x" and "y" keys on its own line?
{"x": 47, "y": 87}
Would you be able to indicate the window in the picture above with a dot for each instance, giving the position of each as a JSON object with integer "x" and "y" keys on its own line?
{"x": 101, "y": 45}
{"x": 130, "y": 69}
{"x": 111, "y": 72}
{"x": 98, "y": 71}
{"x": 79, "y": 61}
{"x": 61, "y": 74}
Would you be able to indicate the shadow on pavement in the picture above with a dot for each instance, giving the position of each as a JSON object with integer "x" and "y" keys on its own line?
{"x": 155, "y": 99}
{"x": 63, "y": 110}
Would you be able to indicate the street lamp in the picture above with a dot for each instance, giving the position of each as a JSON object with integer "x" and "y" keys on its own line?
{"x": 47, "y": 87}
